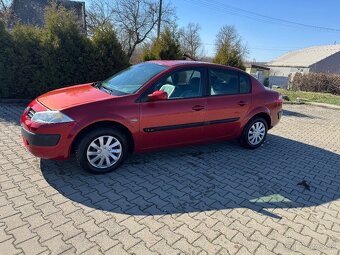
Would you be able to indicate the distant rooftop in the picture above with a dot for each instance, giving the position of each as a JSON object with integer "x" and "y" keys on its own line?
{"x": 306, "y": 57}
{"x": 260, "y": 65}
{"x": 31, "y": 12}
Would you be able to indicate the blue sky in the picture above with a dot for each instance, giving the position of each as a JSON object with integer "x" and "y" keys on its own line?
{"x": 266, "y": 39}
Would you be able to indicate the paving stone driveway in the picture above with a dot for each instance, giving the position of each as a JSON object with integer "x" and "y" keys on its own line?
{"x": 209, "y": 199}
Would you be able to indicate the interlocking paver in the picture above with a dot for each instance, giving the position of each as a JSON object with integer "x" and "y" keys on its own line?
{"x": 186, "y": 247}
{"x": 7, "y": 247}
{"x": 118, "y": 249}
{"x": 104, "y": 241}
{"x": 57, "y": 245}
{"x": 90, "y": 228}
{"x": 208, "y": 199}
{"x": 22, "y": 234}
{"x": 13, "y": 222}
{"x": 32, "y": 246}
{"x": 150, "y": 238}
{"x": 45, "y": 232}
{"x": 81, "y": 243}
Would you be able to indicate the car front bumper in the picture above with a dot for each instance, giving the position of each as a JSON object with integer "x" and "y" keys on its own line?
{"x": 48, "y": 141}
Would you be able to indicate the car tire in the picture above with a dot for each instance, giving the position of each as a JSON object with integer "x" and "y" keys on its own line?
{"x": 254, "y": 133}
{"x": 108, "y": 146}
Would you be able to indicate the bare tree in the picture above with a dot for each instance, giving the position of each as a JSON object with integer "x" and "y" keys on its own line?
{"x": 191, "y": 41}
{"x": 5, "y": 10}
{"x": 134, "y": 20}
{"x": 99, "y": 14}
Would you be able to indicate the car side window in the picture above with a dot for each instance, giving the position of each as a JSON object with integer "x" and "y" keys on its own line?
{"x": 181, "y": 84}
{"x": 223, "y": 82}
{"x": 245, "y": 84}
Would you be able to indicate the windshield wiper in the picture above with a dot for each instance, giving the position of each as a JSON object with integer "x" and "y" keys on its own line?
{"x": 97, "y": 84}
{"x": 106, "y": 89}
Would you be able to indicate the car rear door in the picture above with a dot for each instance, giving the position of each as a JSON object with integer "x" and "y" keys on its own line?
{"x": 180, "y": 118}
{"x": 229, "y": 101}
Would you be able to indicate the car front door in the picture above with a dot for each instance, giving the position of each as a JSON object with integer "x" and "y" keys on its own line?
{"x": 178, "y": 119}
{"x": 229, "y": 101}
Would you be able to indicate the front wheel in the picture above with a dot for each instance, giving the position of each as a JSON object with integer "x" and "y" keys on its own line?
{"x": 254, "y": 133}
{"x": 102, "y": 150}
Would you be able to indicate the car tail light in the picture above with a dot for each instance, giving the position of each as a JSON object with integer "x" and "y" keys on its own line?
{"x": 279, "y": 100}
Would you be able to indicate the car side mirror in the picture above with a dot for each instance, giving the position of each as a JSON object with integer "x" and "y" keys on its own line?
{"x": 158, "y": 95}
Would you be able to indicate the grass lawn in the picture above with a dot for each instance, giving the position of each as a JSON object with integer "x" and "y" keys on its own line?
{"x": 310, "y": 96}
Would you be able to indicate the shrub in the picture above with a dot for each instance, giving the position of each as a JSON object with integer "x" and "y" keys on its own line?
{"x": 266, "y": 82}
{"x": 27, "y": 62}
{"x": 64, "y": 49}
{"x": 166, "y": 47}
{"x": 6, "y": 55}
{"x": 109, "y": 56}
{"x": 36, "y": 60}
{"x": 317, "y": 82}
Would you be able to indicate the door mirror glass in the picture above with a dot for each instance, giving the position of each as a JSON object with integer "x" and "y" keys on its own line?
{"x": 158, "y": 95}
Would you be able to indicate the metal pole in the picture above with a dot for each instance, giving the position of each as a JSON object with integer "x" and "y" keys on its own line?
{"x": 159, "y": 18}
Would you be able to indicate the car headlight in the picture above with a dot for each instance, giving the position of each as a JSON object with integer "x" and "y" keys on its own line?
{"x": 51, "y": 117}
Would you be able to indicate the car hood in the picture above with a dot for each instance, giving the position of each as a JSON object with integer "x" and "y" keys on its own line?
{"x": 72, "y": 96}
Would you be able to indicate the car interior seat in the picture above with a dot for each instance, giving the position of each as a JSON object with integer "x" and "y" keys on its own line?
{"x": 193, "y": 89}
{"x": 223, "y": 88}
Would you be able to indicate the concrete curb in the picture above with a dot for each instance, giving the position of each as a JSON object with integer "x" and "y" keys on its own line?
{"x": 292, "y": 102}
{"x": 328, "y": 106}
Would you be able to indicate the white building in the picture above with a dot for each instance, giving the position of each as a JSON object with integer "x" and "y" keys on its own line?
{"x": 318, "y": 59}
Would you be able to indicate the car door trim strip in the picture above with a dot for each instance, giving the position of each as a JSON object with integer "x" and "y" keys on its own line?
{"x": 189, "y": 125}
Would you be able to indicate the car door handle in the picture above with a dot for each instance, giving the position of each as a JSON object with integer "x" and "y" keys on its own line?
{"x": 198, "y": 107}
{"x": 242, "y": 103}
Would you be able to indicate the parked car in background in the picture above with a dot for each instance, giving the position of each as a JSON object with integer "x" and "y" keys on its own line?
{"x": 149, "y": 106}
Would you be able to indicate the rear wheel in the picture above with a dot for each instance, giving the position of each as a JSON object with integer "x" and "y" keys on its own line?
{"x": 102, "y": 150}
{"x": 254, "y": 133}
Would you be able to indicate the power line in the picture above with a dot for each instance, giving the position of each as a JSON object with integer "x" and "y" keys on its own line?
{"x": 271, "y": 49}
{"x": 225, "y": 8}
{"x": 258, "y": 48}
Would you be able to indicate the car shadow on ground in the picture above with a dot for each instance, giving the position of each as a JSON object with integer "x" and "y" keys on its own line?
{"x": 297, "y": 114}
{"x": 10, "y": 113}
{"x": 281, "y": 174}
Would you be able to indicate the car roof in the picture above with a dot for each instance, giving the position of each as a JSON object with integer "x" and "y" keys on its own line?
{"x": 176, "y": 63}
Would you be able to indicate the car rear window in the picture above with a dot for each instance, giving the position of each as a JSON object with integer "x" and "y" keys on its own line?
{"x": 228, "y": 82}
{"x": 245, "y": 84}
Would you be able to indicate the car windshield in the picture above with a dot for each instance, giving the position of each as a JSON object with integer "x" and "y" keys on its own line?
{"x": 132, "y": 79}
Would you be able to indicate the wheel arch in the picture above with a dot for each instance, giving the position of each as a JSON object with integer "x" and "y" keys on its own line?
{"x": 103, "y": 123}
{"x": 264, "y": 116}
{"x": 260, "y": 111}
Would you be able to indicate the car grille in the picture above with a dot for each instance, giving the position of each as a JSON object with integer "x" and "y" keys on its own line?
{"x": 30, "y": 113}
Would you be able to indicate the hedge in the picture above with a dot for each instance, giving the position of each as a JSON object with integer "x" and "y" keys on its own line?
{"x": 317, "y": 82}
{"x": 36, "y": 60}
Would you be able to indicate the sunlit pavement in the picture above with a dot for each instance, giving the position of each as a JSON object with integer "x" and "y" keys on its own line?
{"x": 211, "y": 199}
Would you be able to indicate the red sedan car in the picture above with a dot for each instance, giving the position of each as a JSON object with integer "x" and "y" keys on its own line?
{"x": 152, "y": 105}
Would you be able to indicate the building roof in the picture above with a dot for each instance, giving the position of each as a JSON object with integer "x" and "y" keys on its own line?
{"x": 258, "y": 66}
{"x": 305, "y": 57}
{"x": 32, "y": 12}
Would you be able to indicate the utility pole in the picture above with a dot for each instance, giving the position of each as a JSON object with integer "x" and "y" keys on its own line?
{"x": 159, "y": 18}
